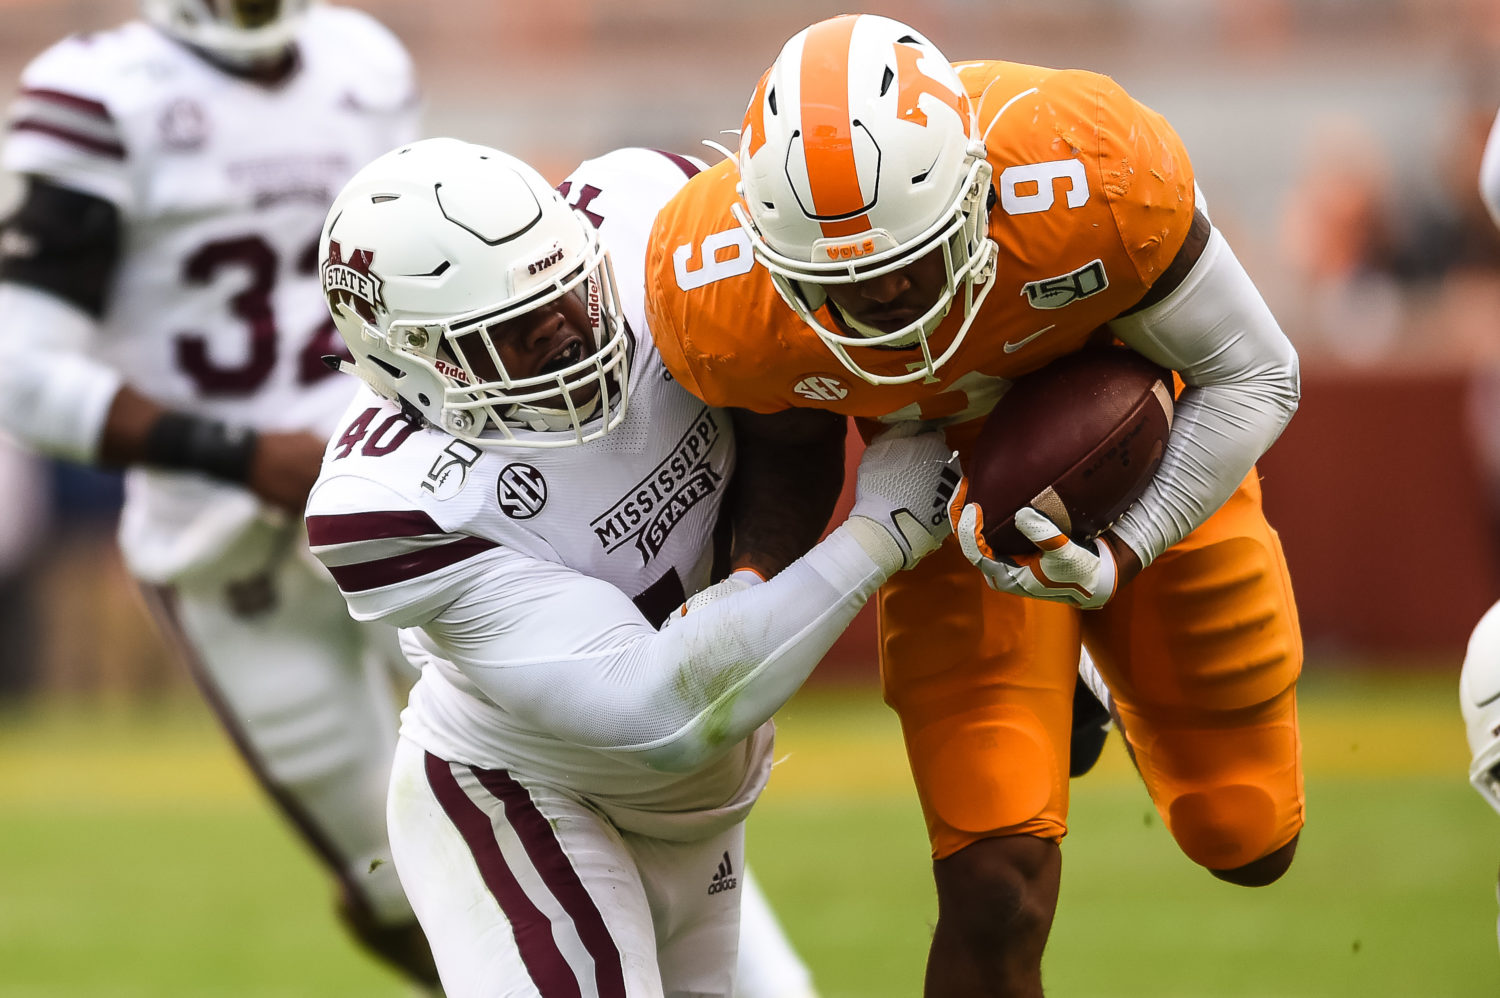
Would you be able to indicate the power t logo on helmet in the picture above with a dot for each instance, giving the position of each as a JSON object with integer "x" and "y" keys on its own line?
{"x": 859, "y": 158}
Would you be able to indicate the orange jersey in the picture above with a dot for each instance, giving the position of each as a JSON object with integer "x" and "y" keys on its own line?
{"x": 1094, "y": 199}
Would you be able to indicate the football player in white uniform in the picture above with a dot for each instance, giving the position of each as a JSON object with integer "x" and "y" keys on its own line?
{"x": 159, "y": 311}
{"x": 526, "y": 492}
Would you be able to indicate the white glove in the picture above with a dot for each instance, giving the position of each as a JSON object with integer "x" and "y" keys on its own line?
{"x": 906, "y": 479}
{"x": 1061, "y": 570}
{"x": 737, "y": 582}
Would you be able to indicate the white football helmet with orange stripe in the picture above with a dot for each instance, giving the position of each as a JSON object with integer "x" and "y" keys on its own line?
{"x": 859, "y": 155}
{"x": 237, "y": 30}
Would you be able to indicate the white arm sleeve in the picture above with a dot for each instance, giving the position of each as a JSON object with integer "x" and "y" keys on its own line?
{"x": 1242, "y": 386}
{"x": 1489, "y": 172}
{"x": 53, "y": 398}
{"x": 574, "y": 657}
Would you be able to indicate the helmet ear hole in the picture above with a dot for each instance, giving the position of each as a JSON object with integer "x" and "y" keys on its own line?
{"x": 357, "y": 305}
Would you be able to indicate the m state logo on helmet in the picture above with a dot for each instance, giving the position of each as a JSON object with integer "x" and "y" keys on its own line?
{"x": 352, "y": 281}
{"x": 431, "y": 247}
{"x": 858, "y": 156}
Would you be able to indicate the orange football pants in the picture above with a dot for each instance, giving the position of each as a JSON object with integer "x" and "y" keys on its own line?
{"x": 1201, "y": 651}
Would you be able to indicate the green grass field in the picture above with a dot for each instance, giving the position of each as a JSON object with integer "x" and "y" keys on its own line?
{"x": 137, "y": 860}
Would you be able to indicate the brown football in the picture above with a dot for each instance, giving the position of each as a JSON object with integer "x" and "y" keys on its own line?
{"x": 1078, "y": 440}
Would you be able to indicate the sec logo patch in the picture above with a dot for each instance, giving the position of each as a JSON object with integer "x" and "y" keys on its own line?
{"x": 821, "y": 388}
{"x": 522, "y": 491}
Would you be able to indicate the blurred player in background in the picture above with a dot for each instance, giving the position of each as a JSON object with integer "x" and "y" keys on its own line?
{"x": 160, "y": 312}
{"x": 896, "y": 240}
{"x": 524, "y": 490}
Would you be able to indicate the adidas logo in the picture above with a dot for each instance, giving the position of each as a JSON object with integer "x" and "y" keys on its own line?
{"x": 724, "y": 880}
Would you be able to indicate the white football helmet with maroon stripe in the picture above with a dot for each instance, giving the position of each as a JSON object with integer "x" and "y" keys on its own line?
{"x": 237, "y": 30}
{"x": 858, "y": 156}
{"x": 431, "y": 248}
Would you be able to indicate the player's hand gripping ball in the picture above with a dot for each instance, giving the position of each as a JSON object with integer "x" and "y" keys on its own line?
{"x": 1061, "y": 456}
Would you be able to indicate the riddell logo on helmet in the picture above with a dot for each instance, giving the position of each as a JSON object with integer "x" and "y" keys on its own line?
{"x": 453, "y": 371}
{"x": 596, "y": 306}
{"x": 849, "y": 250}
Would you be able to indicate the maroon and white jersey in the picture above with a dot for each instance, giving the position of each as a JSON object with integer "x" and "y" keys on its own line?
{"x": 222, "y": 185}
{"x": 528, "y": 579}
{"x": 636, "y": 508}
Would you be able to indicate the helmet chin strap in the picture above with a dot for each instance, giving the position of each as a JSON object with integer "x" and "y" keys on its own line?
{"x": 538, "y": 418}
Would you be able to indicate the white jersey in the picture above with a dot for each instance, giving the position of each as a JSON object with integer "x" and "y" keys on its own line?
{"x": 222, "y": 185}
{"x": 409, "y": 518}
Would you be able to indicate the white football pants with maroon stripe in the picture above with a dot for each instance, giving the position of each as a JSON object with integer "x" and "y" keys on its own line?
{"x": 524, "y": 890}
{"x": 309, "y": 697}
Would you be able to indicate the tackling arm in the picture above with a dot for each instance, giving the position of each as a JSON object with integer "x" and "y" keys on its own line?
{"x": 573, "y": 656}
{"x": 789, "y": 469}
{"x": 673, "y": 699}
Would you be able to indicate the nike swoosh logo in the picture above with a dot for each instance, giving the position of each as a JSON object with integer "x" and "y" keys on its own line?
{"x": 1011, "y": 346}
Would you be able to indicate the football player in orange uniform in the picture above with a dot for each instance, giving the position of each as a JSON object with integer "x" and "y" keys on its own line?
{"x": 897, "y": 239}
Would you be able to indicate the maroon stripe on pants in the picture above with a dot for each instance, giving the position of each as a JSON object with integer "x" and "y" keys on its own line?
{"x": 546, "y": 853}
{"x": 532, "y": 929}
{"x": 161, "y": 601}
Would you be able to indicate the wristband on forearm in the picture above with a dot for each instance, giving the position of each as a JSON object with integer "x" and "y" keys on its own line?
{"x": 192, "y": 443}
